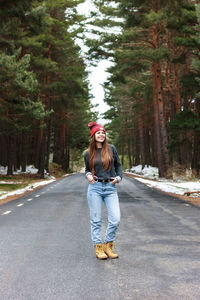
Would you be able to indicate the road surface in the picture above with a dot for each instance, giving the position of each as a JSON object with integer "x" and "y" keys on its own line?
{"x": 46, "y": 251}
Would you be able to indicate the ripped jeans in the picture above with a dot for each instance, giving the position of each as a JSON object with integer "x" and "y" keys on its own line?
{"x": 98, "y": 193}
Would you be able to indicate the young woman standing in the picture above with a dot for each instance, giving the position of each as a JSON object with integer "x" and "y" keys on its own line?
{"x": 103, "y": 171}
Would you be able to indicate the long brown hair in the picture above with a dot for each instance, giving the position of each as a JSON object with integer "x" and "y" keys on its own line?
{"x": 106, "y": 155}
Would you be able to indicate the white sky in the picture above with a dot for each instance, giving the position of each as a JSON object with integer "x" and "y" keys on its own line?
{"x": 98, "y": 74}
{"x": 96, "y": 78}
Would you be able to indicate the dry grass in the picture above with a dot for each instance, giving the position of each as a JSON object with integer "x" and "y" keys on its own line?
{"x": 15, "y": 182}
{"x": 22, "y": 180}
{"x": 56, "y": 170}
{"x": 13, "y": 197}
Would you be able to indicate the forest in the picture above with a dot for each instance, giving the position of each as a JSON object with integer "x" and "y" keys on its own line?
{"x": 153, "y": 88}
{"x": 154, "y": 85}
{"x": 44, "y": 95}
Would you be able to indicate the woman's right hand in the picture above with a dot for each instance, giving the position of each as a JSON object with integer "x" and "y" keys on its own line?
{"x": 91, "y": 179}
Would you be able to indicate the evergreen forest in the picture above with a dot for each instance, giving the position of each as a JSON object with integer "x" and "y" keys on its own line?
{"x": 153, "y": 88}
{"x": 44, "y": 95}
{"x": 154, "y": 85}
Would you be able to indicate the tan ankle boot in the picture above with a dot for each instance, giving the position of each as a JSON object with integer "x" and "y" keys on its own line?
{"x": 100, "y": 254}
{"x": 108, "y": 249}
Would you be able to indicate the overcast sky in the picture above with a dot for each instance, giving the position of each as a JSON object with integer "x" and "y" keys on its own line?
{"x": 98, "y": 74}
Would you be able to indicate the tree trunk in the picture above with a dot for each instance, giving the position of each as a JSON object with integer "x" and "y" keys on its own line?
{"x": 154, "y": 162}
{"x": 196, "y": 155}
{"x": 42, "y": 154}
{"x": 10, "y": 155}
{"x": 24, "y": 152}
{"x": 48, "y": 144}
{"x": 169, "y": 89}
{"x": 141, "y": 132}
{"x": 159, "y": 116}
{"x": 177, "y": 88}
{"x": 147, "y": 148}
{"x": 66, "y": 150}
{"x": 163, "y": 131}
{"x": 137, "y": 148}
{"x": 37, "y": 145}
{"x": 129, "y": 153}
{"x": 157, "y": 138}
{"x": 3, "y": 150}
{"x": 15, "y": 150}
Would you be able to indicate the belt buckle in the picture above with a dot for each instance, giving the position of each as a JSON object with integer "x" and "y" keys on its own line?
{"x": 105, "y": 180}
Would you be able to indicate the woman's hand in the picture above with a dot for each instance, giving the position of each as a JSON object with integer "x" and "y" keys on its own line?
{"x": 91, "y": 179}
{"x": 114, "y": 181}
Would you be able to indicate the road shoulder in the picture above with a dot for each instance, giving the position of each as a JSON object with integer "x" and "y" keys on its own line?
{"x": 193, "y": 200}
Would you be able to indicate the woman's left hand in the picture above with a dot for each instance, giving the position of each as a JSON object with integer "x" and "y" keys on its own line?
{"x": 114, "y": 181}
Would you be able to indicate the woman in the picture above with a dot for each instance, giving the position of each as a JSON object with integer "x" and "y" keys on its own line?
{"x": 103, "y": 171}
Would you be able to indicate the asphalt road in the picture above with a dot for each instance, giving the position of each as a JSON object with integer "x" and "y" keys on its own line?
{"x": 46, "y": 252}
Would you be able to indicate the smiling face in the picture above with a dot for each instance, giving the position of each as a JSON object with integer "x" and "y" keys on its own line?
{"x": 100, "y": 136}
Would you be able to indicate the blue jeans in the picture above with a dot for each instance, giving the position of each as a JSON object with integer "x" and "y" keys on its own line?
{"x": 97, "y": 194}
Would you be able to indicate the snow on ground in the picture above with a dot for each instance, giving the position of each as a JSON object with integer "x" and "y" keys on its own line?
{"x": 30, "y": 170}
{"x": 172, "y": 186}
{"x": 30, "y": 187}
{"x": 147, "y": 171}
{"x": 10, "y": 182}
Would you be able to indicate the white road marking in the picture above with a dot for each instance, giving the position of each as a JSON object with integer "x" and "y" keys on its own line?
{"x": 30, "y": 199}
{"x": 21, "y": 204}
{"x": 7, "y": 212}
{"x": 37, "y": 196}
{"x": 187, "y": 204}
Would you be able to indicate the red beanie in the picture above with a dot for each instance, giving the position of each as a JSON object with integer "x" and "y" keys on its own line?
{"x": 94, "y": 127}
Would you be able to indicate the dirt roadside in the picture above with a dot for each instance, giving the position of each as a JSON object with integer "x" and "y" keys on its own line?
{"x": 16, "y": 196}
{"x": 193, "y": 200}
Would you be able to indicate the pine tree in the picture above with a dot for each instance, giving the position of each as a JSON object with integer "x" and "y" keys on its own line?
{"x": 18, "y": 99}
{"x": 44, "y": 32}
{"x": 160, "y": 36}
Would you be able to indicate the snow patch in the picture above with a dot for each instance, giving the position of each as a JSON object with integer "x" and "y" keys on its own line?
{"x": 172, "y": 187}
{"x": 176, "y": 187}
{"x": 30, "y": 187}
{"x": 29, "y": 169}
{"x": 147, "y": 171}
